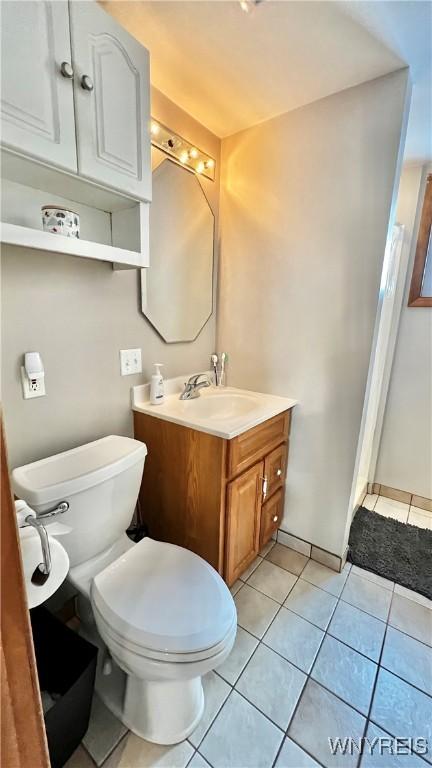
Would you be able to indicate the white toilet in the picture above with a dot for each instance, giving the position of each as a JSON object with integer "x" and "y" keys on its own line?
{"x": 165, "y": 615}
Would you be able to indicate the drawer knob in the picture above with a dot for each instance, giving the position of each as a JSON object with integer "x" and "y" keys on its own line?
{"x": 66, "y": 70}
{"x": 275, "y": 519}
{"x": 278, "y": 473}
{"x": 87, "y": 83}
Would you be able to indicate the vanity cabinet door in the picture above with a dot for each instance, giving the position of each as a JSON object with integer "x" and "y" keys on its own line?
{"x": 244, "y": 497}
{"x": 37, "y": 111}
{"x": 112, "y": 102}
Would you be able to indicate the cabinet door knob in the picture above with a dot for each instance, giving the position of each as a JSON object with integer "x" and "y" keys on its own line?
{"x": 87, "y": 83}
{"x": 66, "y": 70}
{"x": 275, "y": 519}
{"x": 278, "y": 473}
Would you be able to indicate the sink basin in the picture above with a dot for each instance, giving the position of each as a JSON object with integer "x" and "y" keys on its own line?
{"x": 226, "y": 405}
{"x": 223, "y": 412}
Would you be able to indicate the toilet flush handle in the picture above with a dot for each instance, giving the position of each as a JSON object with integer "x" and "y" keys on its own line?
{"x": 60, "y": 509}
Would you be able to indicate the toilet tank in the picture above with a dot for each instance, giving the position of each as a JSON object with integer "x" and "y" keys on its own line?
{"x": 99, "y": 480}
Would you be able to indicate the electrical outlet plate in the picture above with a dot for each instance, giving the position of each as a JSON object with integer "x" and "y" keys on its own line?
{"x": 34, "y": 388}
{"x": 130, "y": 361}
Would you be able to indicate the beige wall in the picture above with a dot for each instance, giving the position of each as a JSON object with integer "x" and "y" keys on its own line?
{"x": 78, "y": 314}
{"x": 405, "y": 455}
{"x": 305, "y": 209}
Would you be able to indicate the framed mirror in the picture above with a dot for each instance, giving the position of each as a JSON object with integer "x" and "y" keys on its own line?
{"x": 421, "y": 282}
{"x": 177, "y": 287}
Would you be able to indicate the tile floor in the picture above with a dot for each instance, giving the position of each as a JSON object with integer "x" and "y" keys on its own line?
{"x": 317, "y": 654}
{"x": 405, "y": 513}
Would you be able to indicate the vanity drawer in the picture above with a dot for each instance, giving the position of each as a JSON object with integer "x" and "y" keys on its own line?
{"x": 271, "y": 516}
{"x": 253, "y": 445}
{"x": 275, "y": 466}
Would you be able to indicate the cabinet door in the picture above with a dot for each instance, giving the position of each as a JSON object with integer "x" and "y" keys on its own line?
{"x": 112, "y": 102}
{"x": 271, "y": 515}
{"x": 244, "y": 497}
{"x": 37, "y": 113}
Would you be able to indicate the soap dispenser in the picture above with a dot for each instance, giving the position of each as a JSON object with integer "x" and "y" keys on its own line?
{"x": 157, "y": 393}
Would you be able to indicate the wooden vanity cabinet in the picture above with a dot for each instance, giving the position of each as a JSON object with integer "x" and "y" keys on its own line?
{"x": 222, "y": 499}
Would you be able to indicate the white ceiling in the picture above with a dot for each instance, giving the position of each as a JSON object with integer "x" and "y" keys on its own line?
{"x": 231, "y": 70}
{"x": 406, "y": 28}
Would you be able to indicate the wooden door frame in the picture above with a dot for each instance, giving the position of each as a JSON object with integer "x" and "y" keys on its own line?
{"x": 415, "y": 298}
{"x": 23, "y": 738}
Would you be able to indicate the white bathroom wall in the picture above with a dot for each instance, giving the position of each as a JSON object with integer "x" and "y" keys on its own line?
{"x": 405, "y": 455}
{"x": 305, "y": 204}
{"x": 78, "y": 314}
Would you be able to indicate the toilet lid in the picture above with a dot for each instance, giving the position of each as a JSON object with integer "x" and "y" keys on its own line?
{"x": 165, "y": 598}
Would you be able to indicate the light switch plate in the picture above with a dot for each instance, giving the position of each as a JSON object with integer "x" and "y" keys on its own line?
{"x": 130, "y": 361}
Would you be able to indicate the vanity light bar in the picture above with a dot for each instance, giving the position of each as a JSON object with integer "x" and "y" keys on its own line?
{"x": 181, "y": 150}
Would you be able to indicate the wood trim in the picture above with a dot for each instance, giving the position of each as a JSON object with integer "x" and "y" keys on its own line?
{"x": 23, "y": 739}
{"x": 415, "y": 298}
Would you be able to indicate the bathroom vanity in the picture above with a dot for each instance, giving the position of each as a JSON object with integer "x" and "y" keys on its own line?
{"x": 215, "y": 472}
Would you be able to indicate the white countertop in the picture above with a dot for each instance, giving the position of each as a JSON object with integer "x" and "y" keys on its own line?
{"x": 221, "y": 411}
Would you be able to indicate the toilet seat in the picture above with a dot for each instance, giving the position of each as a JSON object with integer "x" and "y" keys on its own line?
{"x": 164, "y": 602}
{"x": 162, "y": 656}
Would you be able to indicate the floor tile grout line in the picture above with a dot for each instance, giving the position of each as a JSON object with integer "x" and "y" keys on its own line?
{"x": 380, "y": 666}
{"x": 377, "y": 725}
{"x": 255, "y": 706}
{"x": 337, "y": 695}
{"x": 266, "y": 594}
{"x": 122, "y": 737}
{"x": 308, "y": 674}
{"x": 374, "y": 688}
{"x": 246, "y": 584}
{"x": 218, "y": 711}
{"x": 308, "y": 677}
{"x": 323, "y": 629}
{"x": 91, "y": 757}
{"x": 407, "y": 682}
{"x": 384, "y": 621}
{"x": 351, "y": 647}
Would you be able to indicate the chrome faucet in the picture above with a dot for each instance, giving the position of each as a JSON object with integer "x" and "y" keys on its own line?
{"x": 193, "y": 386}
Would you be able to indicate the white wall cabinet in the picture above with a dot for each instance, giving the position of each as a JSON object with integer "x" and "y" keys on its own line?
{"x": 113, "y": 117}
{"x": 90, "y": 116}
{"x": 37, "y": 110}
{"x": 75, "y": 123}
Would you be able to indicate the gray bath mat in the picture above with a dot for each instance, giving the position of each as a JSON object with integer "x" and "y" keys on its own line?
{"x": 397, "y": 551}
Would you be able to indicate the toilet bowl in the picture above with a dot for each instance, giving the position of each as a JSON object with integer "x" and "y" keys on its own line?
{"x": 164, "y": 614}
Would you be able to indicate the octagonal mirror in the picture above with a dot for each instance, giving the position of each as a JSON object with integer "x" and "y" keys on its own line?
{"x": 177, "y": 287}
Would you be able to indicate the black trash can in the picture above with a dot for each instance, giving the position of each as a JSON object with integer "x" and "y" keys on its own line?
{"x": 66, "y": 665}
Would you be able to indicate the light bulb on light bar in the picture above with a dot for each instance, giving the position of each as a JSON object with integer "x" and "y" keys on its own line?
{"x": 181, "y": 150}
{"x": 249, "y": 5}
